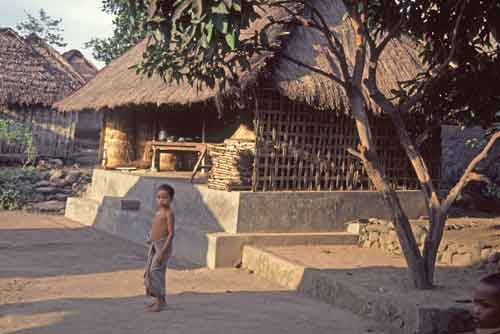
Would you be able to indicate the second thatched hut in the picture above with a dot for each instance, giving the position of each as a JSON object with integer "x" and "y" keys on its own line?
{"x": 32, "y": 77}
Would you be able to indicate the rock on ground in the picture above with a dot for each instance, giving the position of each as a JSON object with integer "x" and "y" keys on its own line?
{"x": 50, "y": 206}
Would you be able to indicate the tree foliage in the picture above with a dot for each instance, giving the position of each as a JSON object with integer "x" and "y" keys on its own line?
{"x": 46, "y": 27}
{"x": 126, "y": 32}
{"x": 201, "y": 41}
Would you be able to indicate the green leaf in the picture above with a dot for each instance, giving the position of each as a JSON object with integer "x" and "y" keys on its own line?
{"x": 221, "y": 23}
{"x": 360, "y": 7}
{"x": 237, "y": 5}
{"x": 220, "y": 9}
{"x": 209, "y": 28}
{"x": 231, "y": 40}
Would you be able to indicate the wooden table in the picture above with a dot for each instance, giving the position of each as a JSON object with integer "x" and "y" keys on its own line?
{"x": 160, "y": 147}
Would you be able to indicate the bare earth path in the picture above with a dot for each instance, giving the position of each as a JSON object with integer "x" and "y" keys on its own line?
{"x": 59, "y": 277}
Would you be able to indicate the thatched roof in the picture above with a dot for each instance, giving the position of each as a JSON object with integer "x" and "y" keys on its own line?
{"x": 81, "y": 64}
{"x": 117, "y": 85}
{"x": 399, "y": 62}
{"x": 31, "y": 72}
{"x": 54, "y": 58}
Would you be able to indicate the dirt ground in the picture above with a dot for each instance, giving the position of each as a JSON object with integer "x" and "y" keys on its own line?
{"x": 59, "y": 277}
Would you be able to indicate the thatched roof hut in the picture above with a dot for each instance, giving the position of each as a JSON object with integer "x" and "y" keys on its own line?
{"x": 118, "y": 84}
{"x": 81, "y": 64}
{"x": 33, "y": 73}
{"x": 301, "y": 128}
{"x": 33, "y": 76}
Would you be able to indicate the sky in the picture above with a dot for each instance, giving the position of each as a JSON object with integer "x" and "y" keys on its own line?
{"x": 81, "y": 20}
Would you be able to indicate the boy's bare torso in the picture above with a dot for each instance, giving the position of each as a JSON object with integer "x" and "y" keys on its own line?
{"x": 160, "y": 229}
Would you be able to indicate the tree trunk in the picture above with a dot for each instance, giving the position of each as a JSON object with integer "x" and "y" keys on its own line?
{"x": 432, "y": 242}
{"x": 436, "y": 216}
{"x": 368, "y": 155}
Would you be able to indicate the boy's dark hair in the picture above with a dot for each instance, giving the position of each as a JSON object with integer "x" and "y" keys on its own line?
{"x": 168, "y": 188}
{"x": 492, "y": 280}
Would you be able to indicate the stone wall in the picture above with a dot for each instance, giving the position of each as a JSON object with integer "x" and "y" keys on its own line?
{"x": 42, "y": 189}
{"x": 380, "y": 234}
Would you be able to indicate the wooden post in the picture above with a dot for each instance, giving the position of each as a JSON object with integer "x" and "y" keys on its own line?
{"x": 203, "y": 161}
{"x": 102, "y": 154}
{"x": 155, "y": 161}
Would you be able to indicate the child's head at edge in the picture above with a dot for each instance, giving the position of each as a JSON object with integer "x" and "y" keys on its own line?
{"x": 165, "y": 195}
{"x": 487, "y": 302}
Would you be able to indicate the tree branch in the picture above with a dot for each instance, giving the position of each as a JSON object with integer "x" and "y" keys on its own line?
{"x": 448, "y": 59}
{"x": 378, "y": 50}
{"x": 334, "y": 43}
{"x": 314, "y": 69}
{"x": 473, "y": 176}
{"x": 357, "y": 154}
{"x": 420, "y": 140}
{"x": 466, "y": 177}
{"x": 360, "y": 42}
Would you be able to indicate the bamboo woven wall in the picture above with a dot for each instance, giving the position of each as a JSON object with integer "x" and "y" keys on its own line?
{"x": 53, "y": 132}
{"x": 299, "y": 148}
{"x": 119, "y": 138}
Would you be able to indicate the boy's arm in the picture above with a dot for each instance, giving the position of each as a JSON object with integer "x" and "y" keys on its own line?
{"x": 170, "y": 234}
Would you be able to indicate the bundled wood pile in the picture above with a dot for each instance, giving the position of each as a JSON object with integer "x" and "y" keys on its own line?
{"x": 232, "y": 165}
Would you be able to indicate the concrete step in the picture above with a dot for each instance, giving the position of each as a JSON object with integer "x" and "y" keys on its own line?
{"x": 401, "y": 315}
{"x": 82, "y": 210}
{"x": 226, "y": 249}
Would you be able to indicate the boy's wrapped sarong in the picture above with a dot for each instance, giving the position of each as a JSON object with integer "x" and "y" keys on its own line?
{"x": 154, "y": 274}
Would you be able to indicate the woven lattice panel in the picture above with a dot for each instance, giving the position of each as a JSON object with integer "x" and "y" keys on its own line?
{"x": 298, "y": 148}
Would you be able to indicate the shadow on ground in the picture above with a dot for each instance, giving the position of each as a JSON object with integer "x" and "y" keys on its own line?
{"x": 44, "y": 252}
{"x": 211, "y": 313}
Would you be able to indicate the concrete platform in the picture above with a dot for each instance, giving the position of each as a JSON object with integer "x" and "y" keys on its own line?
{"x": 226, "y": 249}
{"x": 366, "y": 282}
{"x": 123, "y": 203}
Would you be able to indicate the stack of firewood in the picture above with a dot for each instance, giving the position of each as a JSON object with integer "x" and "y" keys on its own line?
{"x": 232, "y": 165}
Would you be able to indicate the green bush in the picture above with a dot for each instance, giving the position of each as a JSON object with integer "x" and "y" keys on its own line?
{"x": 16, "y": 187}
{"x": 12, "y": 132}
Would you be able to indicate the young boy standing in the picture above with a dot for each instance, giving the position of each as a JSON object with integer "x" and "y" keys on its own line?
{"x": 160, "y": 249}
{"x": 487, "y": 305}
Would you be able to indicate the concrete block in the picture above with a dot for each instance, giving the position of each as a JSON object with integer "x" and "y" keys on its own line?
{"x": 401, "y": 316}
{"x": 297, "y": 212}
{"x": 82, "y": 210}
{"x": 272, "y": 267}
{"x": 225, "y": 249}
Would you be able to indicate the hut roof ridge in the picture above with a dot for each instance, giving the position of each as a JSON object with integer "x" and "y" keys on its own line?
{"x": 81, "y": 64}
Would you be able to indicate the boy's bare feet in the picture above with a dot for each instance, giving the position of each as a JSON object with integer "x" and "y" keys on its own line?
{"x": 157, "y": 307}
